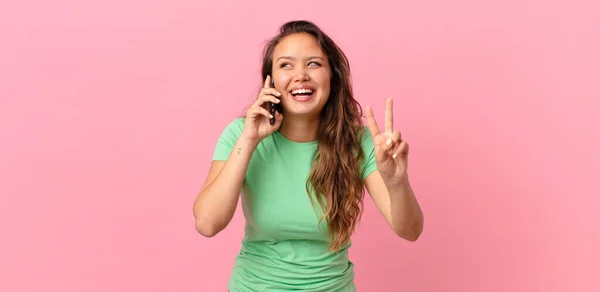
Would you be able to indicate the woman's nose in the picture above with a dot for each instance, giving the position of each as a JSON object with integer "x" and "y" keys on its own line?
{"x": 301, "y": 75}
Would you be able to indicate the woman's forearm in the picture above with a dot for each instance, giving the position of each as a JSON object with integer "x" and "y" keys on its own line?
{"x": 216, "y": 203}
{"x": 407, "y": 217}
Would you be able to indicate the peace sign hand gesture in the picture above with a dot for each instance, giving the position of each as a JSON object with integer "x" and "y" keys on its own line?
{"x": 391, "y": 153}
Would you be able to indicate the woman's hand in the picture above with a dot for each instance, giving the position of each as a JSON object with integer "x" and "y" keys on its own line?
{"x": 257, "y": 125}
{"x": 391, "y": 152}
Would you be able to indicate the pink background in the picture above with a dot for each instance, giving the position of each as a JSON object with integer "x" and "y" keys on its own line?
{"x": 110, "y": 110}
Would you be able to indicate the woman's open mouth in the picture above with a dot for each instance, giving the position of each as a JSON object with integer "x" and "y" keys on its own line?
{"x": 302, "y": 94}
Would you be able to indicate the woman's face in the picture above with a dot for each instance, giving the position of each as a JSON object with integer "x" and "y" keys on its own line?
{"x": 302, "y": 74}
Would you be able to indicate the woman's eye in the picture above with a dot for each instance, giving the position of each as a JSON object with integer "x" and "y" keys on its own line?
{"x": 314, "y": 63}
{"x": 284, "y": 65}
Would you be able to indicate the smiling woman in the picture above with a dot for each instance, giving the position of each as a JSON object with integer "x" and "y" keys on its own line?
{"x": 301, "y": 176}
{"x": 302, "y": 69}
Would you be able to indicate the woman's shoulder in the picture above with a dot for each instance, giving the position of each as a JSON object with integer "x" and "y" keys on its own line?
{"x": 368, "y": 148}
{"x": 366, "y": 138}
{"x": 233, "y": 129}
{"x": 229, "y": 135}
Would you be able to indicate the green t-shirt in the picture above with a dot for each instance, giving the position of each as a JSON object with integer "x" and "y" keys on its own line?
{"x": 283, "y": 248}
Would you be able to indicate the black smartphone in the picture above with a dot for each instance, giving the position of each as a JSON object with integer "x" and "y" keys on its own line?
{"x": 273, "y": 106}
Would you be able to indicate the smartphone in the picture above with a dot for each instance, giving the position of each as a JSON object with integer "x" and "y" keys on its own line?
{"x": 273, "y": 106}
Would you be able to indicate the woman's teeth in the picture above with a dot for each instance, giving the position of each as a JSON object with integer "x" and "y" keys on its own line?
{"x": 302, "y": 92}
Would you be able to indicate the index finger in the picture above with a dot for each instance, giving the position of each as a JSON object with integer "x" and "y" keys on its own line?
{"x": 373, "y": 128}
{"x": 267, "y": 82}
{"x": 389, "y": 116}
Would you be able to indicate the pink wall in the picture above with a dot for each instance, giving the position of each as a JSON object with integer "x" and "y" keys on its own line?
{"x": 109, "y": 111}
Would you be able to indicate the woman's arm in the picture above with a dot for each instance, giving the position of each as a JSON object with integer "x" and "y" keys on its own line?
{"x": 216, "y": 203}
{"x": 389, "y": 186}
{"x": 398, "y": 205}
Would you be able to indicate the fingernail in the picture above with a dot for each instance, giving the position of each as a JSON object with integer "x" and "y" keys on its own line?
{"x": 277, "y": 99}
{"x": 394, "y": 156}
{"x": 271, "y": 116}
{"x": 389, "y": 141}
{"x": 278, "y": 93}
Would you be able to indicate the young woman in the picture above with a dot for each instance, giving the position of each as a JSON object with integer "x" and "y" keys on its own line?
{"x": 301, "y": 172}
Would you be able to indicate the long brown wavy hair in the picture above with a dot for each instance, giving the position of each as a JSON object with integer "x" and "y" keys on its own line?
{"x": 336, "y": 175}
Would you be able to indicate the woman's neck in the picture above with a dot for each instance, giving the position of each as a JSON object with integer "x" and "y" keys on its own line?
{"x": 299, "y": 129}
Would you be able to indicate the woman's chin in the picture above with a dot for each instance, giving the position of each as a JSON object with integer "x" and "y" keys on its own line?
{"x": 302, "y": 112}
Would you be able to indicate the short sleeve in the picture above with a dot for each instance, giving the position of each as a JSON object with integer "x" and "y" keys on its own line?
{"x": 368, "y": 147}
{"x": 227, "y": 140}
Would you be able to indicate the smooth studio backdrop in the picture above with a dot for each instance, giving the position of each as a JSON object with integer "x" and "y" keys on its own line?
{"x": 109, "y": 112}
